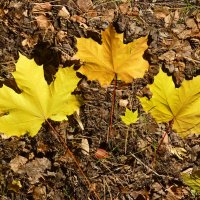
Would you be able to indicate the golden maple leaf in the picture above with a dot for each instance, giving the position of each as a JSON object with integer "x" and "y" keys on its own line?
{"x": 178, "y": 104}
{"x": 102, "y": 62}
{"x": 38, "y": 101}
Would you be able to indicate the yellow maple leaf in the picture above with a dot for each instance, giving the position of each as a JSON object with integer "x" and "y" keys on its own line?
{"x": 130, "y": 117}
{"x": 102, "y": 62}
{"x": 178, "y": 104}
{"x": 192, "y": 181}
{"x": 38, "y": 101}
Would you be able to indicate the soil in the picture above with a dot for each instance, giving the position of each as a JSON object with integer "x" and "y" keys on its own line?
{"x": 125, "y": 166}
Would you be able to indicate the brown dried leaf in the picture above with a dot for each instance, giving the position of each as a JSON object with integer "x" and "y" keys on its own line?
{"x": 36, "y": 168}
{"x": 2, "y": 13}
{"x": 60, "y": 36}
{"x": 181, "y": 66}
{"x": 39, "y": 193}
{"x": 44, "y": 23}
{"x": 101, "y": 154}
{"x": 85, "y": 5}
{"x": 183, "y": 50}
{"x": 172, "y": 18}
{"x": 174, "y": 193}
{"x": 77, "y": 18}
{"x": 18, "y": 163}
{"x": 123, "y": 102}
{"x": 85, "y": 146}
{"x": 161, "y": 12}
{"x": 64, "y": 13}
{"x": 190, "y": 22}
{"x": 30, "y": 41}
{"x": 179, "y": 28}
{"x": 124, "y": 7}
{"x": 178, "y": 77}
{"x": 41, "y": 7}
{"x": 176, "y": 16}
{"x": 78, "y": 119}
{"x": 185, "y": 34}
{"x": 168, "y": 56}
{"x": 109, "y": 15}
{"x": 33, "y": 169}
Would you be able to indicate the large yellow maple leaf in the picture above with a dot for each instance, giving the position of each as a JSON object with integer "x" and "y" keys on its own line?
{"x": 102, "y": 62}
{"x": 25, "y": 112}
{"x": 182, "y": 105}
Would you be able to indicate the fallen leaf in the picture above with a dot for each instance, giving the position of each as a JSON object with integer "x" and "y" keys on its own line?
{"x": 39, "y": 193}
{"x": 178, "y": 104}
{"x": 192, "y": 182}
{"x": 17, "y": 163}
{"x": 38, "y": 102}
{"x": 190, "y": 22}
{"x": 101, "y": 154}
{"x": 174, "y": 193}
{"x": 78, "y": 119}
{"x": 77, "y": 18}
{"x": 85, "y": 146}
{"x": 44, "y": 23}
{"x": 108, "y": 16}
{"x": 41, "y": 7}
{"x": 130, "y": 117}
{"x": 124, "y": 7}
{"x": 85, "y": 5}
{"x": 123, "y": 102}
{"x": 64, "y": 13}
{"x": 178, "y": 151}
{"x": 36, "y": 169}
{"x": 168, "y": 20}
{"x": 161, "y": 12}
{"x": 102, "y": 62}
{"x": 2, "y": 13}
{"x": 168, "y": 56}
{"x": 60, "y": 36}
{"x": 30, "y": 41}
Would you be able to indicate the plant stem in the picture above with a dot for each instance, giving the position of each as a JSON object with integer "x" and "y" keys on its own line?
{"x": 112, "y": 108}
{"x": 161, "y": 141}
{"x": 62, "y": 141}
{"x": 167, "y": 131}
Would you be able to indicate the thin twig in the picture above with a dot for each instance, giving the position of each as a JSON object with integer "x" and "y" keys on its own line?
{"x": 161, "y": 141}
{"x": 147, "y": 166}
{"x": 112, "y": 108}
{"x": 167, "y": 131}
{"x": 60, "y": 139}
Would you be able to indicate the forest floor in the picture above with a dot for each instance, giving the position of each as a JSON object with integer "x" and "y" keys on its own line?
{"x": 125, "y": 167}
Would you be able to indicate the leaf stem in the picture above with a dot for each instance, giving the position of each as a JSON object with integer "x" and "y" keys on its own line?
{"x": 62, "y": 141}
{"x": 112, "y": 108}
{"x": 167, "y": 131}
